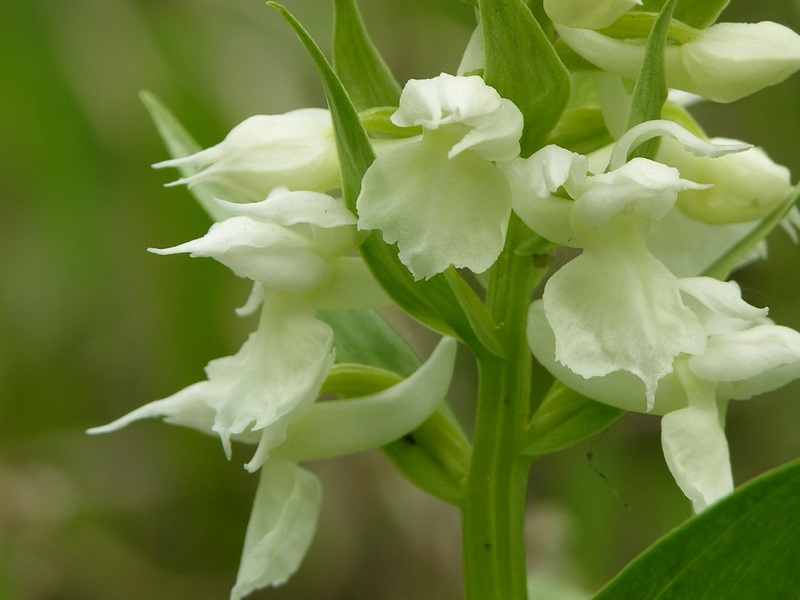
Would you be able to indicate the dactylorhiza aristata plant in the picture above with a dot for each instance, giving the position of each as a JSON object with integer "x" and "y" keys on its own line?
{"x": 449, "y": 198}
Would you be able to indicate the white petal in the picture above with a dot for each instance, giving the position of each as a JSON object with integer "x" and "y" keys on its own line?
{"x": 587, "y": 14}
{"x": 339, "y": 427}
{"x": 753, "y": 361}
{"x": 440, "y": 211}
{"x": 640, "y": 187}
{"x": 276, "y": 256}
{"x": 275, "y": 376}
{"x": 719, "y": 305}
{"x": 615, "y": 307}
{"x": 286, "y": 208}
{"x": 548, "y": 169}
{"x": 281, "y": 527}
{"x": 695, "y": 448}
{"x": 295, "y": 150}
{"x": 732, "y": 60}
{"x": 493, "y": 124}
{"x": 688, "y": 247}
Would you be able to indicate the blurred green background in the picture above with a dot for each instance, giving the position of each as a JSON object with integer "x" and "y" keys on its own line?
{"x": 92, "y": 326}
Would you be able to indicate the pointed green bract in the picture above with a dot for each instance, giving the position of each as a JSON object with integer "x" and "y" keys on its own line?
{"x": 179, "y": 144}
{"x": 650, "y": 91}
{"x": 358, "y": 63}
{"x": 564, "y": 418}
{"x": 734, "y": 257}
{"x": 746, "y": 546}
{"x": 522, "y": 65}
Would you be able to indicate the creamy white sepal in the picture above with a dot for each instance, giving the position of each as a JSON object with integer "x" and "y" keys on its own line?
{"x": 281, "y": 527}
{"x": 339, "y": 427}
{"x": 694, "y": 444}
{"x": 587, "y": 14}
{"x": 296, "y": 150}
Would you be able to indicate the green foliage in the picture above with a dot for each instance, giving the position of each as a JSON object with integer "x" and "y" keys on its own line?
{"x": 357, "y": 62}
{"x": 523, "y": 66}
{"x": 650, "y": 91}
{"x": 746, "y": 546}
{"x": 564, "y": 418}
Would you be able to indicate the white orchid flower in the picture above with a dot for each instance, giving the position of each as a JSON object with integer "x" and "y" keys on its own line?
{"x": 292, "y": 246}
{"x": 442, "y": 198}
{"x": 294, "y": 150}
{"x": 725, "y": 62}
{"x": 286, "y": 506}
{"x": 615, "y": 307}
{"x": 745, "y": 355}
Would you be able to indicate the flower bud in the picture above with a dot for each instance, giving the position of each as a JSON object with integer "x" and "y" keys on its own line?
{"x": 727, "y": 61}
{"x": 295, "y": 150}
{"x": 746, "y": 185}
{"x": 587, "y": 14}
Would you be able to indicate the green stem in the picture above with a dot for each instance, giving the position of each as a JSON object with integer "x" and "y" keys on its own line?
{"x": 493, "y": 513}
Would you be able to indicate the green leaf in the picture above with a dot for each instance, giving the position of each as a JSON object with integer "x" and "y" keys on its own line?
{"x": 565, "y": 418}
{"x": 746, "y": 546}
{"x": 431, "y": 301}
{"x": 733, "y": 257}
{"x": 581, "y": 130}
{"x": 434, "y": 457}
{"x": 479, "y": 318}
{"x": 377, "y": 120}
{"x": 358, "y": 63}
{"x": 523, "y": 66}
{"x": 180, "y": 143}
{"x": 650, "y": 91}
{"x": 363, "y": 336}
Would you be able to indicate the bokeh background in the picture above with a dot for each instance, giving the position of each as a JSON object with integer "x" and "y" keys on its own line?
{"x": 92, "y": 326}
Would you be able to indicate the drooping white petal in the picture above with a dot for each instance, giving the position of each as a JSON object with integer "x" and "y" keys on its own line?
{"x": 339, "y": 427}
{"x": 281, "y": 527}
{"x": 274, "y": 378}
{"x": 695, "y": 447}
{"x": 295, "y": 150}
{"x": 750, "y": 362}
{"x": 440, "y": 211}
{"x": 264, "y": 252}
{"x": 619, "y": 388}
{"x": 688, "y": 247}
{"x": 615, "y": 307}
{"x": 719, "y": 305}
{"x": 670, "y": 129}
